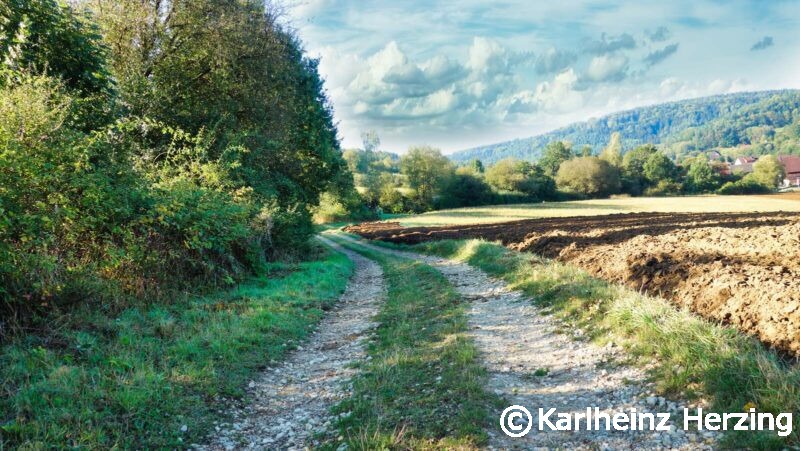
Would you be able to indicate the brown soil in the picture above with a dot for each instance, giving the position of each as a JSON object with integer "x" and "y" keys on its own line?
{"x": 739, "y": 269}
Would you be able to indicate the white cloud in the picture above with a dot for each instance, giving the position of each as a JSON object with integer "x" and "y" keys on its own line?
{"x": 559, "y": 95}
{"x": 488, "y": 56}
{"x": 607, "y": 67}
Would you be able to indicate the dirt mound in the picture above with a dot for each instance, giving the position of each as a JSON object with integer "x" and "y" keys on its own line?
{"x": 739, "y": 269}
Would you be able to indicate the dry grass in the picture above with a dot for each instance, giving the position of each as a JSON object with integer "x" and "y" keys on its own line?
{"x": 501, "y": 213}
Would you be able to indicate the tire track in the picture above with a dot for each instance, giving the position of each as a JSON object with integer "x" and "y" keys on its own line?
{"x": 291, "y": 402}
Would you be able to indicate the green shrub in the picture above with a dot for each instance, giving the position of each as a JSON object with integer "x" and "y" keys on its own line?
{"x": 746, "y": 185}
{"x": 590, "y": 176}
{"x": 664, "y": 188}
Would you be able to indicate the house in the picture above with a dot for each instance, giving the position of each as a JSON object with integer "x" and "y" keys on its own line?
{"x": 791, "y": 164}
{"x": 714, "y": 155}
{"x": 743, "y": 165}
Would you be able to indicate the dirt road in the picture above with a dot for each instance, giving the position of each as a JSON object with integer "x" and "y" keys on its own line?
{"x": 291, "y": 402}
{"x": 532, "y": 365}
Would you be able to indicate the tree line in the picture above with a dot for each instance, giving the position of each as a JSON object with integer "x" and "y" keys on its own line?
{"x": 146, "y": 144}
{"x": 424, "y": 179}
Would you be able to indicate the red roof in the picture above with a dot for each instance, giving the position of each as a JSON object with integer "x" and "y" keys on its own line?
{"x": 791, "y": 163}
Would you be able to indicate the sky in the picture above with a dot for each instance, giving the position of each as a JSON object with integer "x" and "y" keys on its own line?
{"x": 460, "y": 74}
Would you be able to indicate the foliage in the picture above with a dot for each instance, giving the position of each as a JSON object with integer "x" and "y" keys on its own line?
{"x": 521, "y": 176}
{"x": 63, "y": 194}
{"x": 47, "y": 37}
{"x": 700, "y": 176}
{"x": 746, "y": 185}
{"x": 633, "y": 177}
{"x": 665, "y": 187}
{"x": 658, "y": 168}
{"x": 426, "y": 170}
{"x": 768, "y": 171}
{"x": 590, "y": 176}
{"x": 553, "y": 155}
{"x": 465, "y": 190}
{"x": 201, "y": 162}
{"x": 613, "y": 152}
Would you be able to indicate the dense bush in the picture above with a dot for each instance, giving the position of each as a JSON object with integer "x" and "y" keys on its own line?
{"x": 590, "y": 176}
{"x": 746, "y": 185}
{"x": 187, "y": 169}
{"x": 465, "y": 190}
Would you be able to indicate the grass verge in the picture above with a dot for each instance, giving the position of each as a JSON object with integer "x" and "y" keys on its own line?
{"x": 423, "y": 385}
{"x": 133, "y": 381}
{"x": 694, "y": 357}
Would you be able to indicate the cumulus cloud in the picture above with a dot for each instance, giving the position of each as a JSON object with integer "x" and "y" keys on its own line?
{"x": 763, "y": 43}
{"x": 560, "y": 94}
{"x": 660, "y": 34}
{"x": 611, "y": 67}
{"x": 660, "y": 55}
{"x": 553, "y": 60}
{"x": 389, "y": 85}
{"x": 608, "y": 44}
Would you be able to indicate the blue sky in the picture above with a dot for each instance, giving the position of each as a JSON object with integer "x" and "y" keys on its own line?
{"x": 464, "y": 73}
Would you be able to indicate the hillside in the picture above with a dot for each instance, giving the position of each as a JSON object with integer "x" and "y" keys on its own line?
{"x": 683, "y": 126}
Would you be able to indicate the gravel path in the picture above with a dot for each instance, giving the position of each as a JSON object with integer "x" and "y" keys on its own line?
{"x": 291, "y": 402}
{"x": 532, "y": 365}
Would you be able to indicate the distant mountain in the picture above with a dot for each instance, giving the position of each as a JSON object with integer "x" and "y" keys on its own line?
{"x": 681, "y": 127}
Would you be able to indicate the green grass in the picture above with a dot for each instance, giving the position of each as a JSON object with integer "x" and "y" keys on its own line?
{"x": 423, "y": 386}
{"x": 687, "y": 204}
{"x": 133, "y": 380}
{"x": 694, "y": 358}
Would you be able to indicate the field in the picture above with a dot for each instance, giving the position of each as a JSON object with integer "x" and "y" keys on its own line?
{"x": 689, "y": 204}
{"x": 738, "y": 269}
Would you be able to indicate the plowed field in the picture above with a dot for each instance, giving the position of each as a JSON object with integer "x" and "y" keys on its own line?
{"x": 740, "y": 269}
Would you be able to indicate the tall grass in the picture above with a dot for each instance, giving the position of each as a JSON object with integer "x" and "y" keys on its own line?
{"x": 133, "y": 380}
{"x": 693, "y": 357}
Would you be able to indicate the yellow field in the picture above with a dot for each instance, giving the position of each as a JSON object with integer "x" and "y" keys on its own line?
{"x": 500, "y": 213}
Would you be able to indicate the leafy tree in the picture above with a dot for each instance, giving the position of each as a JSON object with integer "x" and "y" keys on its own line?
{"x": 46, "y": 36}
{"x": 427, "y": 170}
{"x": 477, "y": 166}
{"x": 768, "y": 171}
{"x": 633, "y": 177}
{"x": 49, "y": 37}
{"x": 392, "y": 200}
{"x": 554, "y": 154}
{"x": 701, "y": 177}
{"x": 590, "y": 176}
{"x": 612, "y": 153}
{"x": 659, "y": 167}
{"x": 465, "y": 190}
{"x": 520, "y": 176}
{"x": 230, "y": 72}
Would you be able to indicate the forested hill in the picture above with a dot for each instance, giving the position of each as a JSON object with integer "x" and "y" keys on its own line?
{"x": 684, "y": 126}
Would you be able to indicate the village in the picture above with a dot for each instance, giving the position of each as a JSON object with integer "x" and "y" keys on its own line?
{"x": 744, "y": 165}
